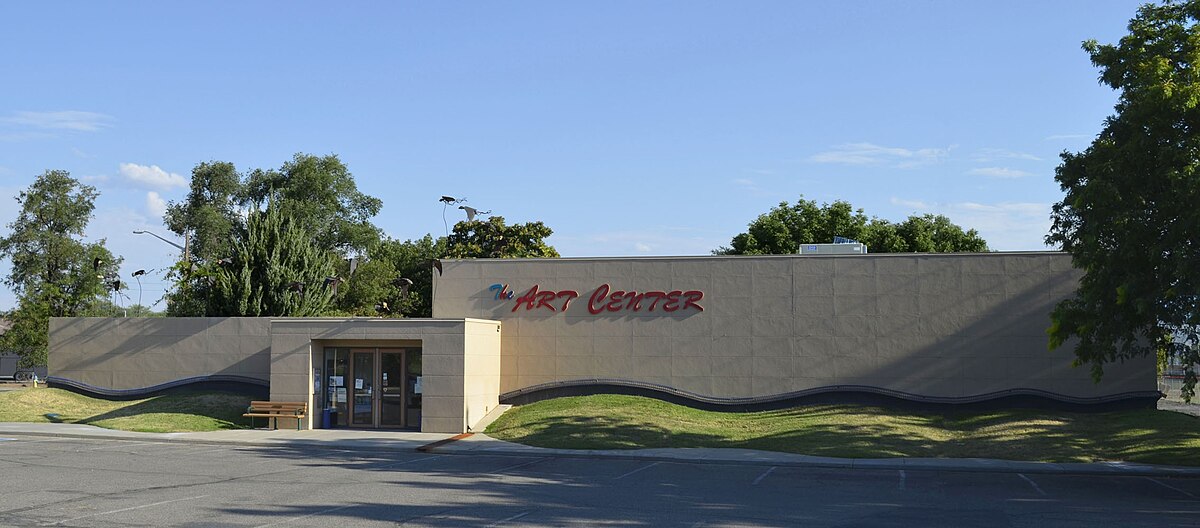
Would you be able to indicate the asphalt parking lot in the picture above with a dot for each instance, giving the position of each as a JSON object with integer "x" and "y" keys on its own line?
{"x": 50, "y": 481}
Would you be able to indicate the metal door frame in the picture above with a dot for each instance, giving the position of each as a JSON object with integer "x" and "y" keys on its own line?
{"x": 377, "y": 386}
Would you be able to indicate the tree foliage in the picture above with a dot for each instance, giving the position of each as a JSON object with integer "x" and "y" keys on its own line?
{"x": 275, "y": 269}
{"x": 54, "y": 272}
{"x": 492, "y": 238}
{"x": 1129, "y": 216}
{"x": 209, "y": 214}
{"x": 314, "y": 194}
{"x": 320, "y": 195}
{"x": 785, "y": 227}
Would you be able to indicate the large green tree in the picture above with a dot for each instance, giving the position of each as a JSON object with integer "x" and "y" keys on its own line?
{"x": 1130, "y": 215}
{"x": 492, "y": 238}
{"x": 275, "y": 269}
{"x": 315, "y": 194}
{"x": 54, "y": 272}
{"x": 785, "y": 227}
{"x": 320, "y": 195}
{"x": 209, "y": 214}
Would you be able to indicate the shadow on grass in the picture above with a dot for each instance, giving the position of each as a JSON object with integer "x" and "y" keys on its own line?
{"x": 178, "y": 412}
{"x": 1147, "y": 436}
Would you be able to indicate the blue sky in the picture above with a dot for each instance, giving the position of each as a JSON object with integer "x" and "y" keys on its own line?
{"x": 630, "y": 128}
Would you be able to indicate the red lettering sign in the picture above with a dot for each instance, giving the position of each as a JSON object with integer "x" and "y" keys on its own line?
{"x": 603, "y": 299}
{"x": 534, "y": 299}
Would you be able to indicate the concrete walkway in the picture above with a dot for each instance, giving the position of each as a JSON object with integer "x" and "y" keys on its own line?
{"x": 481, "y": 444}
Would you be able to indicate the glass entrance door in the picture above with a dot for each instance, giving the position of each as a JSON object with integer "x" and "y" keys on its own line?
{"x": 382, "y": 386}
{"x": 362, "y": 390}
{"x": 391, "y": 388}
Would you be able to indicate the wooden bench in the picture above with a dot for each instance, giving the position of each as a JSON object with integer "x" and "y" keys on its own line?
{"x": 275, "y": 411}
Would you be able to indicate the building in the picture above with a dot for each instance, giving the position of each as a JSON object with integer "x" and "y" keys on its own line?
{"x": 718, "y": 332}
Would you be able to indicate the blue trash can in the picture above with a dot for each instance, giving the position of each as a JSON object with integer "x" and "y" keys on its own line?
{"x": 326, "y": 423}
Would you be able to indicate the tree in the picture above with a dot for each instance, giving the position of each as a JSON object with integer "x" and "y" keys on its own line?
{"x": 785, "y": 227}
{"x": 209, "y": 214}
{"x": 54, "y": 273}
{"x": 316, "y": 194}
{"x": 320, "y": 195}
{"x": 412, "y": 260}
{"x": 936, "y": 234}
{"x": 491, "y": 238}
{"x": 1129, "y": 216}
{"x": 275, "y": 269}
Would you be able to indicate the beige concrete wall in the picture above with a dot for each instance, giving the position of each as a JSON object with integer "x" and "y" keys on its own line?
{"x": 481, "y": 370}
{"x": 942, "y": 325}
{"x": 133, "y": 353}
{"x": 295, "y": 352}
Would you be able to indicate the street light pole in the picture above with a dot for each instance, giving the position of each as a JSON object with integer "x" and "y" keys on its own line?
{"x": 184, "y": 248}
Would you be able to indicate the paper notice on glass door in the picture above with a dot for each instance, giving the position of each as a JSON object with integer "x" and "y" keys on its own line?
{"x": 358, "y": 384}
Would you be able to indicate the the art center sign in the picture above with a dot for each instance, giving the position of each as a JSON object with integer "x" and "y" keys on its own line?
{"x": 604, "y": 299}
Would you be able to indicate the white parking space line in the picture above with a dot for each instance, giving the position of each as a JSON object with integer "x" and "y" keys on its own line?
{"x": 638, "y": 470}
{"x": 903, "y": 478}
{"x": 513, "y": 518}
{"x": 515, "y": 466}
{"x": 1032, "y": 483}
{"x": 1170, "y": 487}
{"x": 322, "y": 512}
{"x": 763, "y": 476}
{"x": 124, "y": 510}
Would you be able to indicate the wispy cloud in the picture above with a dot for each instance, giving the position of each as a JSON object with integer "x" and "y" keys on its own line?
{"x": 1007, "y": 226}
{"x": 97, "y": 178}
{"x": 985, "y": 155}
{"x": 746, "y": 184}
{"x": 916, "y": 205}
{"x": 156, "y": 204}
{"x": 872, "y": 154}
{"x": 152, "y": 176}
{"x": 24, "y": 136}
{"x": 999, "y": 172}
{"x": 653, "y": 240}
{"x": 73, "y": 120}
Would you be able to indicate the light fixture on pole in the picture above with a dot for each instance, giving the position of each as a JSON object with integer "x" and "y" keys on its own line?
{"x": 183, "y": 248}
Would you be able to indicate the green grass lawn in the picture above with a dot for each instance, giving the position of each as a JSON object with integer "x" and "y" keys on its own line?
{"x": 208, "y": 411}
{"x": 855, "y": 431}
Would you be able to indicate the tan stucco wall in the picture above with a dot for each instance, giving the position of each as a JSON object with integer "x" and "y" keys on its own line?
{"x": 133, "y": 353}
{"x": 448, "y": 394}
{"x": 943, "y": 325}
{"x": 481, "y": 370}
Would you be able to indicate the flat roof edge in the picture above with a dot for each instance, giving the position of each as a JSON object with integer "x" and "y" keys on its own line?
{"x": 781, "y": 256}
{"x": 377, "y": 320}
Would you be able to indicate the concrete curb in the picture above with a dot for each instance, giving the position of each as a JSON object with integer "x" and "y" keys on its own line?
{"x": 481, "y": 444}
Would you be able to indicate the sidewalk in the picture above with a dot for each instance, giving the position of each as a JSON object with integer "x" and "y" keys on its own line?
{"x": 481, "y": 444}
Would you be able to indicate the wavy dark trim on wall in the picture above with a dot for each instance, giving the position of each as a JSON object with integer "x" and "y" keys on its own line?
{"x": 837, "y": 394}
{"x": 252, "y": 387}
